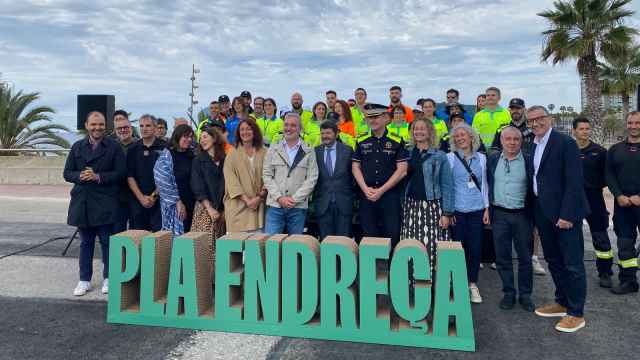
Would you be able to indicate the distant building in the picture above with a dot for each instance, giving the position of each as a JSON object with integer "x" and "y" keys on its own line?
{"x": 612, "y": 102}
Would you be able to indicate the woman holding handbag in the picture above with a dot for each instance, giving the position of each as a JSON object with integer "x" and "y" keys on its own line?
{"x": 207, "y": 183}
{"x": 469, "y": 169}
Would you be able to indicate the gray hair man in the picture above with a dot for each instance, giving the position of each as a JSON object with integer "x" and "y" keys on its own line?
{"x": 290, "y": 173}
{"x": 510, "y": 176}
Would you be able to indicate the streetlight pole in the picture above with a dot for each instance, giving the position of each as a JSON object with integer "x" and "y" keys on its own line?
{"x": 192, "y": 94}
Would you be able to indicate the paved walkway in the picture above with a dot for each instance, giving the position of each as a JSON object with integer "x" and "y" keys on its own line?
{"x": 40, "y": 314}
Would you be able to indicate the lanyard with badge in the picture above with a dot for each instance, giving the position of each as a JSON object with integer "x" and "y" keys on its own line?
{"x": 473, "y": 179}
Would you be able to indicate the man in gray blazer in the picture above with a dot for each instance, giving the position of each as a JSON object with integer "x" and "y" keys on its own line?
{"x": 333, "y": 196}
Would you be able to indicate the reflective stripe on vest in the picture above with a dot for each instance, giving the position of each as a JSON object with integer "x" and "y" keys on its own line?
{"x": 604, "y": 254}
{"x": 627, "y": 264}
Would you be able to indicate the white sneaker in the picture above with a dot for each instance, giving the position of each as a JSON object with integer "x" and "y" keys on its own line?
{"x": 537, "y": 267}
{"x": 481, "y": 266}
{"x": 493, "y": 266}
{"x": 82, "y": 288}
{"x": 105, "y": 286}
{"x": 474, "y": 294}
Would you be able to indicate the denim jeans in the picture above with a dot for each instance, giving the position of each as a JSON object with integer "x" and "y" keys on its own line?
{"x": 513, "y": 228}
{"x": 564, "y": 252}
{"x": 87, "y": 245}
{"x": 469, "y": 231}
{"x": 277, "y": 219}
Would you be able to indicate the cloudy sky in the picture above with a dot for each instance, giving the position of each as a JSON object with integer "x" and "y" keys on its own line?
{"x": 142, "y": 51}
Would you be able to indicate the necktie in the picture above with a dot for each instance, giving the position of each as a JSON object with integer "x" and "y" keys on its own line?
{"x": 328, "y": 163}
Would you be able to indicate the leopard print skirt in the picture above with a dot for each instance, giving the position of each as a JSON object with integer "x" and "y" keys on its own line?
{"x": 202, "y": 222}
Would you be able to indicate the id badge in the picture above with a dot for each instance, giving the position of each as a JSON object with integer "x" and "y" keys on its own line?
{"x": 471, "y": 185}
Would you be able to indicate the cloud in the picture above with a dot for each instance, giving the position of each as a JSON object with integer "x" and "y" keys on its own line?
{"x": 143, "y": 51}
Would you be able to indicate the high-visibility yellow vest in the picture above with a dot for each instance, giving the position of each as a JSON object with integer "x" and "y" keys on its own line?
{"x": 271, "y": 129}
{"x": 487, "y": 123}
{"x": 400, "y": 130}
{"x": 359, "y": 121}
{"x": 441, "y": 128}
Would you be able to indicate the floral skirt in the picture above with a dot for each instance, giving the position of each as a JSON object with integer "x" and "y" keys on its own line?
{"x": 420, "y": 221}
{"x": 202, "y": 222}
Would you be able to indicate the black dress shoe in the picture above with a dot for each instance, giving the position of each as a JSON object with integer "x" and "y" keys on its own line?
{"x": 527, "y": 304}
{"x": 626, "y": 287}
{"x": 605, "y": 281}
{"x": 507, "y": 302}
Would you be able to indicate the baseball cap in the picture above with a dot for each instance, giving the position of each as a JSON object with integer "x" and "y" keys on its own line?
{"x": 516, "y": 102}
{"x": 245, "y": 94}
{"x": 223, "y": 98}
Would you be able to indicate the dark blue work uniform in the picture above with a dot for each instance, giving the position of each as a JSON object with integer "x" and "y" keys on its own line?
{"x": 593, "y": 159}
{"x": 378, "y": 158}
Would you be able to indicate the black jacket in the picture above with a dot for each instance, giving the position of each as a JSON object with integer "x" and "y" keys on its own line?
{"x": 560, "y": 180}
{"x": 340, "y": 185}
{"x": 593, "y": 159}
{"x": 207, "y": 180}
{"x": 492, "y": 163}
{"x": 92, "y": 203}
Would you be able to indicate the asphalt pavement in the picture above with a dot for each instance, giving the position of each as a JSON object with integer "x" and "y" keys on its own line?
{"x": 41, "y": 319}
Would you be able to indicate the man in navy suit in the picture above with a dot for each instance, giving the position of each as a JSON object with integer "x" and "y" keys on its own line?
{"x": 560, "y": 207}
{"x": 333, "y": 196}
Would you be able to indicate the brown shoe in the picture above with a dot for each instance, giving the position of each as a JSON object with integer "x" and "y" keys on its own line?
{"x": 552, "y": 310}
{"x": 570, "y": 324}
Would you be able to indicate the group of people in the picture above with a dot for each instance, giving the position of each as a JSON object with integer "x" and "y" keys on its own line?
{"x": 431, "y": 174}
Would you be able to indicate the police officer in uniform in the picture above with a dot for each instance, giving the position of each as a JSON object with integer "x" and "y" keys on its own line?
{"x": 379, "y": 164}
{"x": 593, "y": 158}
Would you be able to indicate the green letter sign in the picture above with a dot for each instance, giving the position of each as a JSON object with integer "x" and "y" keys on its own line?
{"x": 293, "y": 286}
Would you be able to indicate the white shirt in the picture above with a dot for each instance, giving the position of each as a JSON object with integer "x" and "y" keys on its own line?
{"x": 537, "y": 157}
{"x": 291, "y": 151}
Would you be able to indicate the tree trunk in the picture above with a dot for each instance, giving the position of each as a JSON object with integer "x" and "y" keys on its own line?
{"x": 625, "y": 106}
{"x": 593, "y": 108}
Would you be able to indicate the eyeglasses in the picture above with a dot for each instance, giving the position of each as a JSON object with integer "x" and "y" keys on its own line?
{"x": 123, "y": 128}
{"x": 538, "y": 119}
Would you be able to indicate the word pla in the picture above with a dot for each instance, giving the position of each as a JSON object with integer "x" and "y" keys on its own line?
{"x": 293, "y": 286}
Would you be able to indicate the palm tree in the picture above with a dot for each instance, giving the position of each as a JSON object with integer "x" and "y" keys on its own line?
{"x": 585, "y": 30}
{"x": 620, "y": 75}
{"x": 22, "y": 128}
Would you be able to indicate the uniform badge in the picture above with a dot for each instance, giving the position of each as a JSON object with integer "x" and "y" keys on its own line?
{"x": 388, "y": 145}
{"x": 146, "y": 153}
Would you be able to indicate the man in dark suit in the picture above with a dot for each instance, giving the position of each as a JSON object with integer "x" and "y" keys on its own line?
{"x": 560, "y": 207}
{"x": 96, "y": 167}
{"x": 333, "y": 196}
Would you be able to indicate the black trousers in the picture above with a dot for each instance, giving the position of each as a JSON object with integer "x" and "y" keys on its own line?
{"x": 626, "y": 221}
{"x": 381, "y": 218}
{"x": 513, "y": 227}
{"x": 146, "y": 219}
{"x": 333, "y": 222}
{"x": 598, "y": 222}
